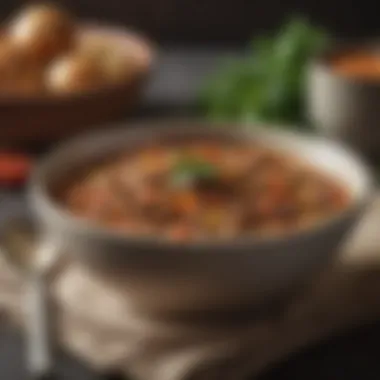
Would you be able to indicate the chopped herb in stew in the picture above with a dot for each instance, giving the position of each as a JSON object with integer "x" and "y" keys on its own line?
{"x": 189, "y": 170}
{"x": 204, "y": 190}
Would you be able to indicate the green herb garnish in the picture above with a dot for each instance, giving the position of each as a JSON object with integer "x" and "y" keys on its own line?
{"x": 268, "y": 84}
{"x": 191, "y": 170}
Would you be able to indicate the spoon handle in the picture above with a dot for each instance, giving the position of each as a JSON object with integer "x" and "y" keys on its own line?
{"x": 39, "y": 328}
{"x": 38, "y": 260}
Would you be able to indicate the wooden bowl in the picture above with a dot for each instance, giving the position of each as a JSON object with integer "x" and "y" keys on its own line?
{"x": 343, "y": 107}
{"x": 46, "y": 117}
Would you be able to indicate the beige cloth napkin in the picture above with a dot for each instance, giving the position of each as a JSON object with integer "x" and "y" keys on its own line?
{"x": 98, "y": 325}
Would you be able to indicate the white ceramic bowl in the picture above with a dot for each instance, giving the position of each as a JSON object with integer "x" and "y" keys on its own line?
{"x": 165, "y": 277}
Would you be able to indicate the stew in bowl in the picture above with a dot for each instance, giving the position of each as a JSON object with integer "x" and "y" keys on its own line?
{"x": 202, "y": 189}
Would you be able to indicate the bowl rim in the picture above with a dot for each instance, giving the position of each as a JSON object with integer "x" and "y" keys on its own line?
{"x": 321, "y": 61}
{"x": 40, "y": 198}
{"x": 141, "y": 39}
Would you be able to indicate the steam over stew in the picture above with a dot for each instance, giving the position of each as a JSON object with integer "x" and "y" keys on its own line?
{"x": 204, "y": 189}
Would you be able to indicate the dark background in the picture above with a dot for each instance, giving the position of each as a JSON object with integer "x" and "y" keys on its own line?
{"x": 221, "y": 21}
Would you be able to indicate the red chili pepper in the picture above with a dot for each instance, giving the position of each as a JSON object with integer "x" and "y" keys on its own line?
{"x": 14, "y": 168}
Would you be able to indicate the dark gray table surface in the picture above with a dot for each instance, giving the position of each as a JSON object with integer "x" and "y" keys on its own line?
{"x": 174, "y": 86}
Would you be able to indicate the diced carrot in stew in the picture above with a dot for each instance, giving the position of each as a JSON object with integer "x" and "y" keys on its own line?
{"x": 186, "y": 202}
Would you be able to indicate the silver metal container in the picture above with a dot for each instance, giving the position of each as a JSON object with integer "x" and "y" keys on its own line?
{"x": 343, "y": 107}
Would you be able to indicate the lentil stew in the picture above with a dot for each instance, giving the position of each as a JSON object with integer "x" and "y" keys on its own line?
{"x": 203, "y": 189}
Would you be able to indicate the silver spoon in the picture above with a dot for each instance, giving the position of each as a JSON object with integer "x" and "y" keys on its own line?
{"x": 36, "y": 263}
